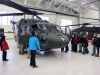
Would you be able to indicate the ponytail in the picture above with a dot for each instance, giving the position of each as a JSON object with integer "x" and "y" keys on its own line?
{"x": 1, "y": 40}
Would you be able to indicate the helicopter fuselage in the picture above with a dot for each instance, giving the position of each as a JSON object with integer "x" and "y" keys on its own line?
{"x": 50, "y": 36}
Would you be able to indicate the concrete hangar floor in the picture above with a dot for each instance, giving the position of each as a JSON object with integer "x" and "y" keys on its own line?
{"x": 51, "y": 63}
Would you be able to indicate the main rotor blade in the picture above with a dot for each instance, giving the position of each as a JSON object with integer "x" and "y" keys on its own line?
{"x": 14, "y": 5}
{"x": 59, "y": 13}
{"x": 11, "y": 14}
{"x": 18, "y": 7}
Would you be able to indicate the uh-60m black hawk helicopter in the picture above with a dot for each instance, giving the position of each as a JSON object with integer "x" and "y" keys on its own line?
{"x": 49, "y": 35}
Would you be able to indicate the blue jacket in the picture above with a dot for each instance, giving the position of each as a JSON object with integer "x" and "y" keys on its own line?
{"x": 34, "y": 43}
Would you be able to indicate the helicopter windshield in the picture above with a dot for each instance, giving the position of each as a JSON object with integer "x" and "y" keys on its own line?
{"x": 55, "y": 28}
{"x": 49, "y": 28}
{"x": 44, "y": 29}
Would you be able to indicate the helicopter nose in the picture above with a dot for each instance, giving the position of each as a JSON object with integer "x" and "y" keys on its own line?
{"x": 63, "y": 41}
{"x": 59, "y": 42}
{"x": 53, "y": 41}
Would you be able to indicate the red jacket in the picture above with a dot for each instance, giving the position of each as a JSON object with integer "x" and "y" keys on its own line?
{"x": 86, "y": 39}
{"x": 76, "y": 40}
{"x": 4, "y": 46}
{"x": 92, "y": 42}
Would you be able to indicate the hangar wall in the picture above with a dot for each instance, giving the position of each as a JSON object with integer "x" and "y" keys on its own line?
{"x": 52, "y": 19}
{"x": 8, "y": 27}
{"x": 90, "y": 14}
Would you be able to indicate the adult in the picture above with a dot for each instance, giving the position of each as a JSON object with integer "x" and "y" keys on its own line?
{"x": 22, "y": 46}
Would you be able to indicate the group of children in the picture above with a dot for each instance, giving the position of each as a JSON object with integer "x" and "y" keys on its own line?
{"x": 82, "y": 40}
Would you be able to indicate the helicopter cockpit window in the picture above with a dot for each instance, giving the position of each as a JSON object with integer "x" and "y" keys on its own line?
{"x": 49, "y": 28}
{"x": 56, "y": 29}
{"x": 44, "y": 29}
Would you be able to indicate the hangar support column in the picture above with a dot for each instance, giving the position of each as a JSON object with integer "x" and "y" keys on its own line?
{"x": 79, "y": 21}
{"x": 99, "y": 16}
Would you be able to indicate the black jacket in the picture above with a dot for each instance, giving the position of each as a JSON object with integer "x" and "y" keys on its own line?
{"x": 72, "y": 40}
{"x": 84, "y": 42}
{"x": 80, "y": 39}
{"x": 97, "y": 42}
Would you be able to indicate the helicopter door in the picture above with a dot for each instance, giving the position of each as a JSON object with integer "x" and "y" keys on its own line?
{"x": 34, "y": 26}
{"x": 24, "y": 34}
{"x": 66, "y": 30}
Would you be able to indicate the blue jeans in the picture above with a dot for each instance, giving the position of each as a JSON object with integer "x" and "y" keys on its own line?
{"x": 85, "y": 49}
{"x": 94, "y": 49}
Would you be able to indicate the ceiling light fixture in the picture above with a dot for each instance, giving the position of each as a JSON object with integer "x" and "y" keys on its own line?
{"x": 71, "y": 0}
{"x": 83, "y": 3}
{"x": 92, "y": 6}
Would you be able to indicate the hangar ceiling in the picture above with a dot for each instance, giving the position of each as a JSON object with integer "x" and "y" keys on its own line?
{"x": 74, "y": 6}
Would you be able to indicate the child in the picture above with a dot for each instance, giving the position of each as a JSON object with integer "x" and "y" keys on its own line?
{"x": 80, "y": 42}
{"x": 33, "y": 46}
{"x": 85, "y": 45}
{"x": 75, "y": 42}
{"x": 72, "y": 46}
{"x": 87, "y": 51}
{"x": 93, "y": 43}
{"x": 4, "y": 47}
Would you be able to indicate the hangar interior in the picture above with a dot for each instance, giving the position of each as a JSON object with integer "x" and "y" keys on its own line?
{"x": 52, "y": 62}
